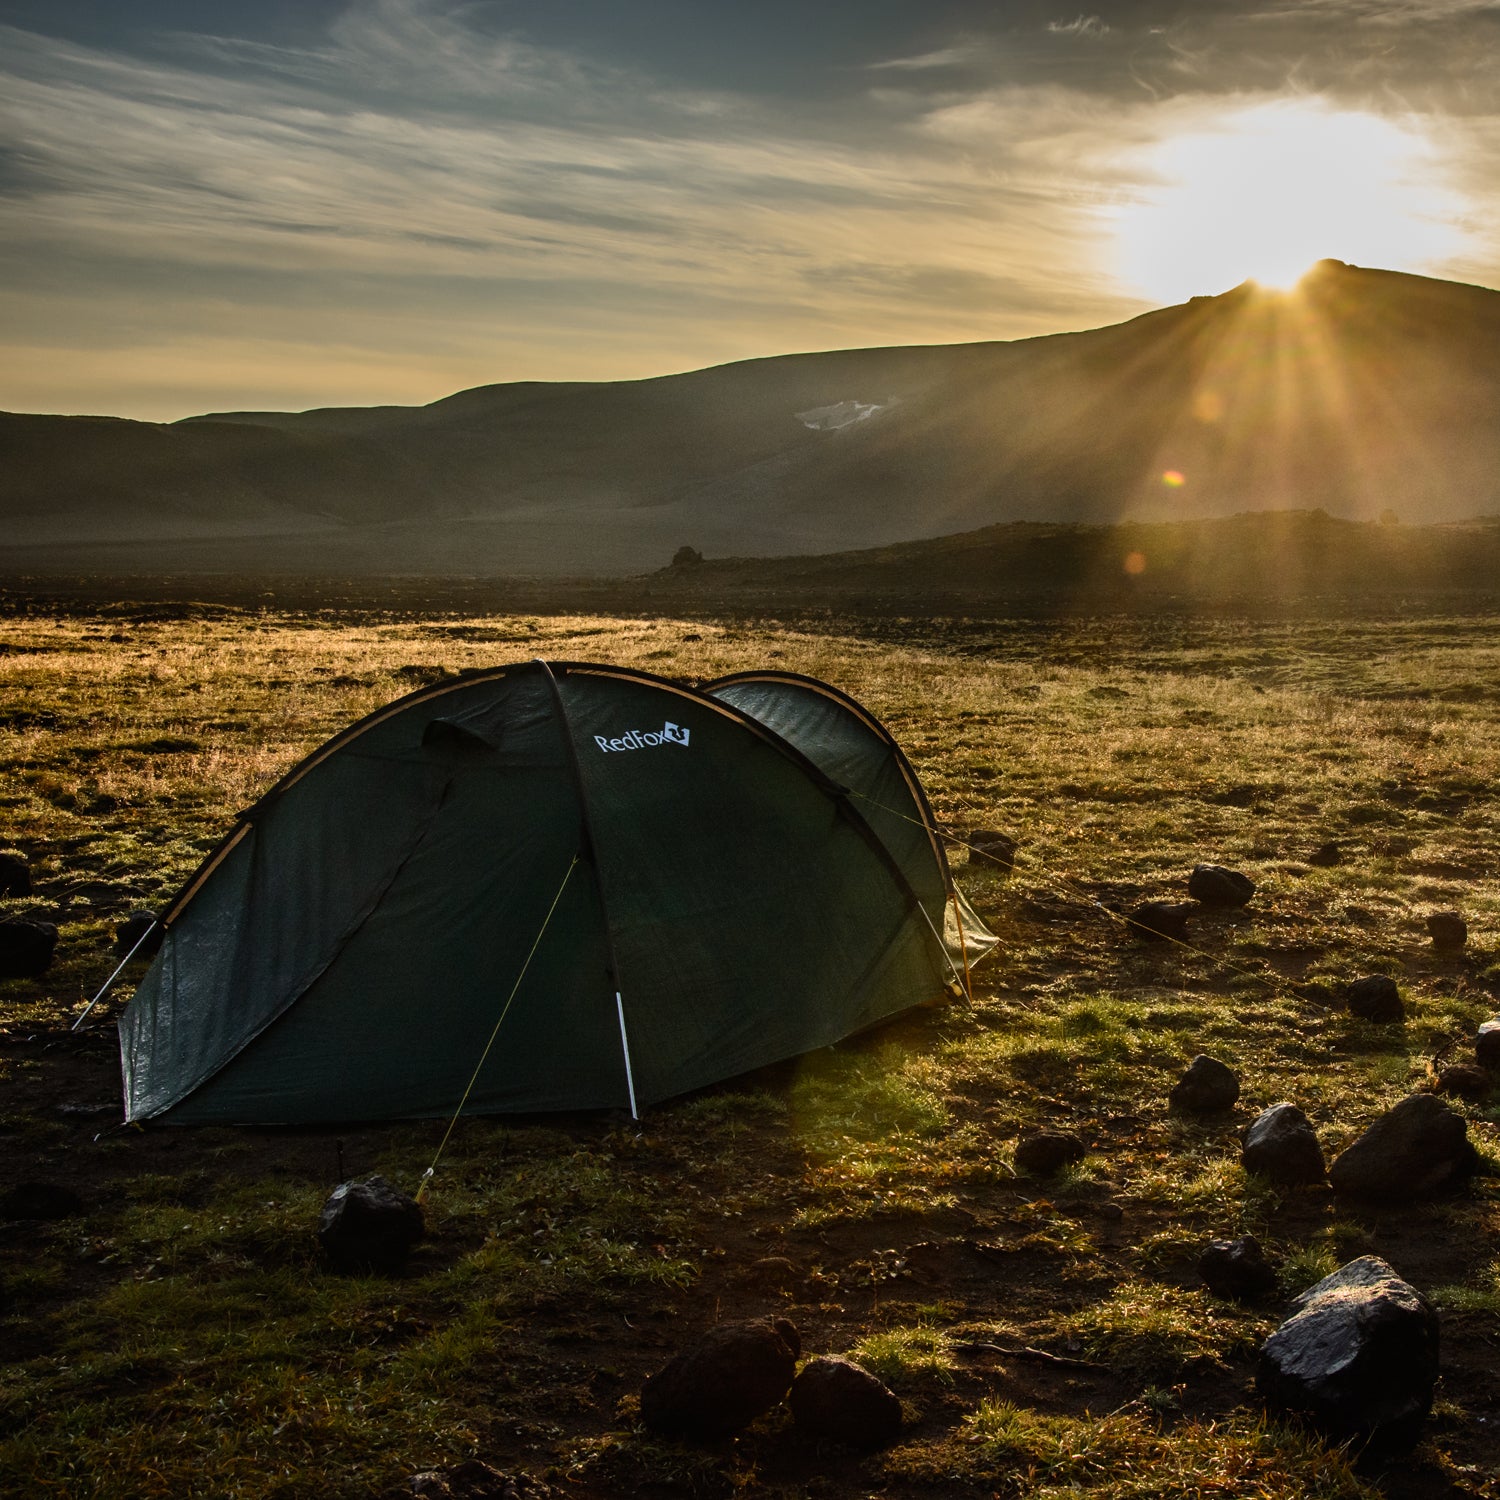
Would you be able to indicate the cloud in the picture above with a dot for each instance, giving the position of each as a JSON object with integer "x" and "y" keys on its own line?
{"x": 419, "y": 189}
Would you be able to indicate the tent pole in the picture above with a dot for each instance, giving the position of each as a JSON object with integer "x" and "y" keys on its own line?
{"x": 625, "y": 1048}
{"x": 593, "y": 861}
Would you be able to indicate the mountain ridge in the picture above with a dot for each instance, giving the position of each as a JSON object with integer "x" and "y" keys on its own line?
{"x": 1360, "y": 393}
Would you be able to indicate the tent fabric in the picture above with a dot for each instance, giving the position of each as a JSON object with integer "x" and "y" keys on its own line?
{"x": 738, "y": 898}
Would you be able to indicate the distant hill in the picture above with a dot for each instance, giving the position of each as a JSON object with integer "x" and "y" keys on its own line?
{"x": 1263, "y": 559}
{"x": 1362, "y": 393}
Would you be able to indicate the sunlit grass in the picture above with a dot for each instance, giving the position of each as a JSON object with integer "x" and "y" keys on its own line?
{"x": 185, "y": 1338}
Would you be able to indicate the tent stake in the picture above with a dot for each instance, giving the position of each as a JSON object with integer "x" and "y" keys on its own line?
{"x": 625, "y": 1048}
{"x": 118, "y": 971}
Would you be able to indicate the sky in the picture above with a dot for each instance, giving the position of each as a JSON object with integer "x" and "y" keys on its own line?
{"x": 294, "y": 203}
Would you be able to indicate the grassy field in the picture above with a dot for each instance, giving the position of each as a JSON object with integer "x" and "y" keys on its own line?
{"x": 181, "y": 1338}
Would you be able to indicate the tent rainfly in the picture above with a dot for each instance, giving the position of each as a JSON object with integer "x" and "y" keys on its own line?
{"x": 610, "y": 888}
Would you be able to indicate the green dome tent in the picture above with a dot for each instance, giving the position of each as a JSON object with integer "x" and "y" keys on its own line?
{"x": 596, "y": 887}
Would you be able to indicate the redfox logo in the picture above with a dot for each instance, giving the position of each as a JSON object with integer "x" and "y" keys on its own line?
{"x": 638, "y": 739}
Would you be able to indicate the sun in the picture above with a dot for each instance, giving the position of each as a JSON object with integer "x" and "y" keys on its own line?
{"x": 1262, "y": 192}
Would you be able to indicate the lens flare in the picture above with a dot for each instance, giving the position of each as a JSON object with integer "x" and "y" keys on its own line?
{"x": 1174, "y": 479}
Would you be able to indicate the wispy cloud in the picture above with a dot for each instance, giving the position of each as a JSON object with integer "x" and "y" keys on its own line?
{"x": 430, "y": 203}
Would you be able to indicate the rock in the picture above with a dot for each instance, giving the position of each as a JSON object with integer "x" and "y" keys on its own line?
{"x": 1237, "y": 1269}
{"x": 15, "y": 875}
{"x": 835, "y": 1398}
{"x": 1213, "y": 885}
{"x": 1377, "y": 998}
{"x": 138, "y": 925}
{"x": 1207, "y": 1086}
{"x": 1448, "y": 931}
{"x": 1487, "y": 1045}
{"x": 988, "y": 846}
{"x": 1466, "y": 1080}
{"x": 733, "y": 1374}
{"x": 1415, "y": 1149}
{"x": 1325, "y": 856}
{"x": 686, "y": 557}
{"x": 40, "y": 1200}
{"x": 1359, "y": 1357}
{"x": 1157, "y": 920}
{"x": 1040, "y": 1153}
{"x": 26, "y": 947}
{"x": 369, "y": 1226}
{"x": 773, "y": 1272}
{"x": 1283, "y": 1146}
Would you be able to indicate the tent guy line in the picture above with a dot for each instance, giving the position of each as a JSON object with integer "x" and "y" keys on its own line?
{"x": 500, "y": 1021}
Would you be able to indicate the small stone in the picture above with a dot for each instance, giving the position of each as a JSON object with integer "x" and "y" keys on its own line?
{"x": 1161, "y": 920}
{"x": 369, "y": 1225}
{"x": 40, "y": 1200}
{"x": 15, "y": 875}
{"x": 1359, "y": 1357}
{"x": 1040, "y": 1153}
{"x": 988, "y": 846}
{"x": 732, "y": 1375}
{"x": 774, "y": 1272}
{"x": 1487, "y": 1045}
{"x": 1448, "y": 931}
{"x": 836, "y": 1399}
{"x": 139, "y": 925}
{"x": 1283, "y": 1146}
{"x": 1214, "y": 885}
{"x": 1237, "y": 1269}
{"x": 1206, "y": 1087}
{"x": 1466, "y": 1080}
{"x": 1377, "y": 998}
{"x": 1325, "y": 856}
{"x": 26, "y": 947}
{"x": 1417, "y": 1148}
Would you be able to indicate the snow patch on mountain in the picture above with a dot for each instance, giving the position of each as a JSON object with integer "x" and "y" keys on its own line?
{"x": 842, "y": 414}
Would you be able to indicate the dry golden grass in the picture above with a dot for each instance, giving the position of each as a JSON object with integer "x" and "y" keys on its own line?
{"x": 182, "y": 1338}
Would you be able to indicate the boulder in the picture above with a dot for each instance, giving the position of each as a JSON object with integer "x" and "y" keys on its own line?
{"x": 1206, "y": 1087}
{"x": 15, "y": 874}
{"x": 1283, "y": 1146}
{"x": 1213, "y": 885}
{"x": 1377, "y": 998}
{"x": 369, "y": 1225}
{"x": 1487, "y": 1045}
{"x": 1358, "y": 1357}
{"x": 1448, "y": 931}
{"x": 138, "y": 925}
{"x": 1237, "y": 1269}
{"x": 1040, "y": 1153}
{"x": 1415, "y": 1149}
{"x": 732, "y": 1375}
{"x": 26, "y": 947}
{"x": 1157, "y": 921}
{"x": 836, "y": 1399}
{"x": 988, "y": 846}
{"x": 40, "y": 1200}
